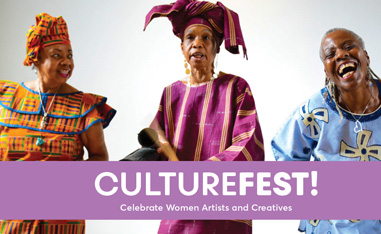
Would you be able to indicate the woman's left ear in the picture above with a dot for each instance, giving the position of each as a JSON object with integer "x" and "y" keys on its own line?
{"x": 182, "y": 48}
{"x": 367, "y": 57}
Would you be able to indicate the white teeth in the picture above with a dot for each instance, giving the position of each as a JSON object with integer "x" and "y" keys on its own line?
{"x": 347, "y": 74}
{"x": 344, "y": 66}
{"x": 65, "y": 71}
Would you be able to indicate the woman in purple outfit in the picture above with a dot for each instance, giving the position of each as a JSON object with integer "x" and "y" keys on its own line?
{"x": 206, "y": 116}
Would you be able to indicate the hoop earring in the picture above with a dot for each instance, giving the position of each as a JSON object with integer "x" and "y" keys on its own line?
{"x": 187, "y": 70}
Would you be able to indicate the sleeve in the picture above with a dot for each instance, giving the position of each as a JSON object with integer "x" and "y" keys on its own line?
{"x": 95, "y": 109}
{"x": 246, "y": 143}
{"x": 158, "y": 122}
{"x": 293, "y": 142}
{"x": 302, "y": 226}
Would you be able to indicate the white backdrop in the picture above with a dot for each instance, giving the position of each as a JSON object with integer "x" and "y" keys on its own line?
{"x": 115, "y": 58}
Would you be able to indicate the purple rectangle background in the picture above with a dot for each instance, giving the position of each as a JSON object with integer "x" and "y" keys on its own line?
{"x": 65, "y": 190}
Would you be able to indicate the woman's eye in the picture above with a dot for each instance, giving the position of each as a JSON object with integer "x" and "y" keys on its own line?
{"x": 329, "y": 55}
{"x": 56, "y": 55}
{"x": 70, "y": 56}
{"x": 348, "y": 47}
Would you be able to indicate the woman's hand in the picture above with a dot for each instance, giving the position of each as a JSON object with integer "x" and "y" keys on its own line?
{"x": 166, "y": 152}
{"x": 93, "y": 140}
{"x": 162, "y": 151}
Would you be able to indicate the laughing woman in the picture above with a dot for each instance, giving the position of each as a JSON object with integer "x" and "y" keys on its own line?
{"x": 339, "y": 123}
{"x": 207, "y": 116}
{"x": 47, "y": 119}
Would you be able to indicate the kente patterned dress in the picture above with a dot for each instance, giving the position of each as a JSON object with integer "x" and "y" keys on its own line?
{"x": 215, "y": 121}
{"x": 316, "y": 130}
{"x": 70, "y": 115}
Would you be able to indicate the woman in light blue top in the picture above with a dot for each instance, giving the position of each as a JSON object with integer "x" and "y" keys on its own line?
{"x": 341, "y": 122}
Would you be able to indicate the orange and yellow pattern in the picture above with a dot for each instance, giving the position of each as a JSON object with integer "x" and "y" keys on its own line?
{"x": 48, "y": 30}
{"x": 70, "y": 115}
{"x": 42, "y": 226}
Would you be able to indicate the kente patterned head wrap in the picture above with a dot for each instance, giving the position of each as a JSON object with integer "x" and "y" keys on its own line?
{"x": 47, "y": 31}
{"x": 184, "y": 13}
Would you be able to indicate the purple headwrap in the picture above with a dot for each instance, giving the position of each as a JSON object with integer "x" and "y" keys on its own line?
{"x": 223, "y": 21}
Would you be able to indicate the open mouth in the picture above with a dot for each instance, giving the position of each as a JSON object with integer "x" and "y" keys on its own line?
{"x": 198, "y": 55}
{"x": 347, "y": 69}
{"x": 64, "y": 73}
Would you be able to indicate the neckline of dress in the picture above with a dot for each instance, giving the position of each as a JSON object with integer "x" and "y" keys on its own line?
{"x": 47, "y": 94}
{"x": 187, "y": 78}
{"x": 348, "y": 115}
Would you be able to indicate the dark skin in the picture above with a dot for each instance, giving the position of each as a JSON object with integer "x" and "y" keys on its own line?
{"x": 55, "y": 65}
{"x": 199, "y": 48}
{"x": 341, "y": 49}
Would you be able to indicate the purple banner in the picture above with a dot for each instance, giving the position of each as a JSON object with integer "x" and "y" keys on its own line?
{"x": 190, "y": 190}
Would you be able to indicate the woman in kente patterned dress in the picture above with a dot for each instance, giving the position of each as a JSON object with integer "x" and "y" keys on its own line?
{"x": 47, "y": 119}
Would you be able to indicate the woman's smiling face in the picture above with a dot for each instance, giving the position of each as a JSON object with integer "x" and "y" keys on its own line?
{"x": 345, "y": 61}
{"x": 55, "y": 63}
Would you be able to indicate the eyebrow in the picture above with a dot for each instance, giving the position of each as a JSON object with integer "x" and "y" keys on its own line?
{"x": 61, "y": 50}
{"x": 328, "y": 49}
{"x": 203, "y": 30}
{"x": 347, "y": 41}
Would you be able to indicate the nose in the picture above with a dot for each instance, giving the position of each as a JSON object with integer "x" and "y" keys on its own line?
{"x": 66, "y": 61}
{"x": 197, "y": 43}
{"x": 341, "y": 55}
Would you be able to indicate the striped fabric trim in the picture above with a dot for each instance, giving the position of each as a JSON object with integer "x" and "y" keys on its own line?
{"x": 235, "y": 148}
{"x": 206, "y": 7}
{"x": 248, "y": 222}
{"x": 247, "y": 154}
{"x": 240, "y": 97}
{"x": 161, "y": 108}
{"x": 227, "y": 115}
{"x": 243, "y": 136}
{"x": 179, "y": 123}
{"x": 200, "y": 138}
{"x": 246, "y": 112}
{"x": 214, "y": 158}
{"x": 233, "y": 40}
{"x": 169, "y": 112}
{"x": 215, "y": 26}
{"x": 258, "y": 142}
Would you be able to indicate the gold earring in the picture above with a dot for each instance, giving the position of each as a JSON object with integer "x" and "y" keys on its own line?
{"x": 187, "y": 70}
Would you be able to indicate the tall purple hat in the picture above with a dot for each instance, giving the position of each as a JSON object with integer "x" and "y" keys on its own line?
{"x": 221, "y": 20}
